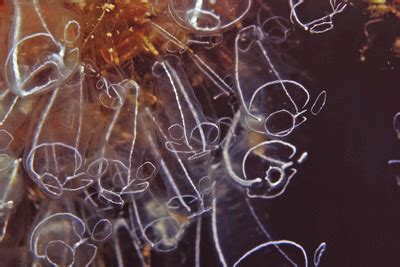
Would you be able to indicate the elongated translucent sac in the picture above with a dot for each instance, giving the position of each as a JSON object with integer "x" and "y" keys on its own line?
{"x": 263, "y": 167}
{"x": 42, "y": 47}
{"x": 320, "y": 24}
{"x": 156, "y": 220}
{"x": 271, "y": 102}
{"x": 54, "y": 158}
{"x": 59, "y": 237}
{"x": 208, "y": 16}
{"x": 180, "y": 114}
{"x": 121, "y": 165}
{"x": 187, "y": 182}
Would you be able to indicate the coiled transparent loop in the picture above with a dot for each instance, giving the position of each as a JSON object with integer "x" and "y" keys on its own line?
{"x": 67, "y": 246}
{"x": 208, "y": 16}
{"x": 321, "y": 24}
{"x": 5, "y": 162}
{"x": 101, "y": 230}
{"x": 41, "y": 56}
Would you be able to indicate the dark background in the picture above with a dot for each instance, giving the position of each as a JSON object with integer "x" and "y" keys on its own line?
{"x": 346, "y": 194}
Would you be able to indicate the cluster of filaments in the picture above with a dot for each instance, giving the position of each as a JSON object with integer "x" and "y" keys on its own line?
{"x": 131, "y": 125}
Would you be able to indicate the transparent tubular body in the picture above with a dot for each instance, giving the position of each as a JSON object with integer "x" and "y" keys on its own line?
{"x": 121, "y": 164}
{"x": 42, "y": 53}
{"x": 271, "y": 102}
{"x": 152, "y": 216}
{"x": 54, "y": 158}
{"x": 180, "y": 116}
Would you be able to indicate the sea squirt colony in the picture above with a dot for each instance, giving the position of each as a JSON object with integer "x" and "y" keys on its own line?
{"x": 127, "y": 128}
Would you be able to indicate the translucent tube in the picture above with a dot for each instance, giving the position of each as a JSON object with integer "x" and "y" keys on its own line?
{"x": 187, "y": 182}
{"x": 188, "y": 132}
{"x": 162, "y": 213}
{"x": 54, "y": 159}
{"x": 121, "y": 165}
{"x": 42, "y": 54}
